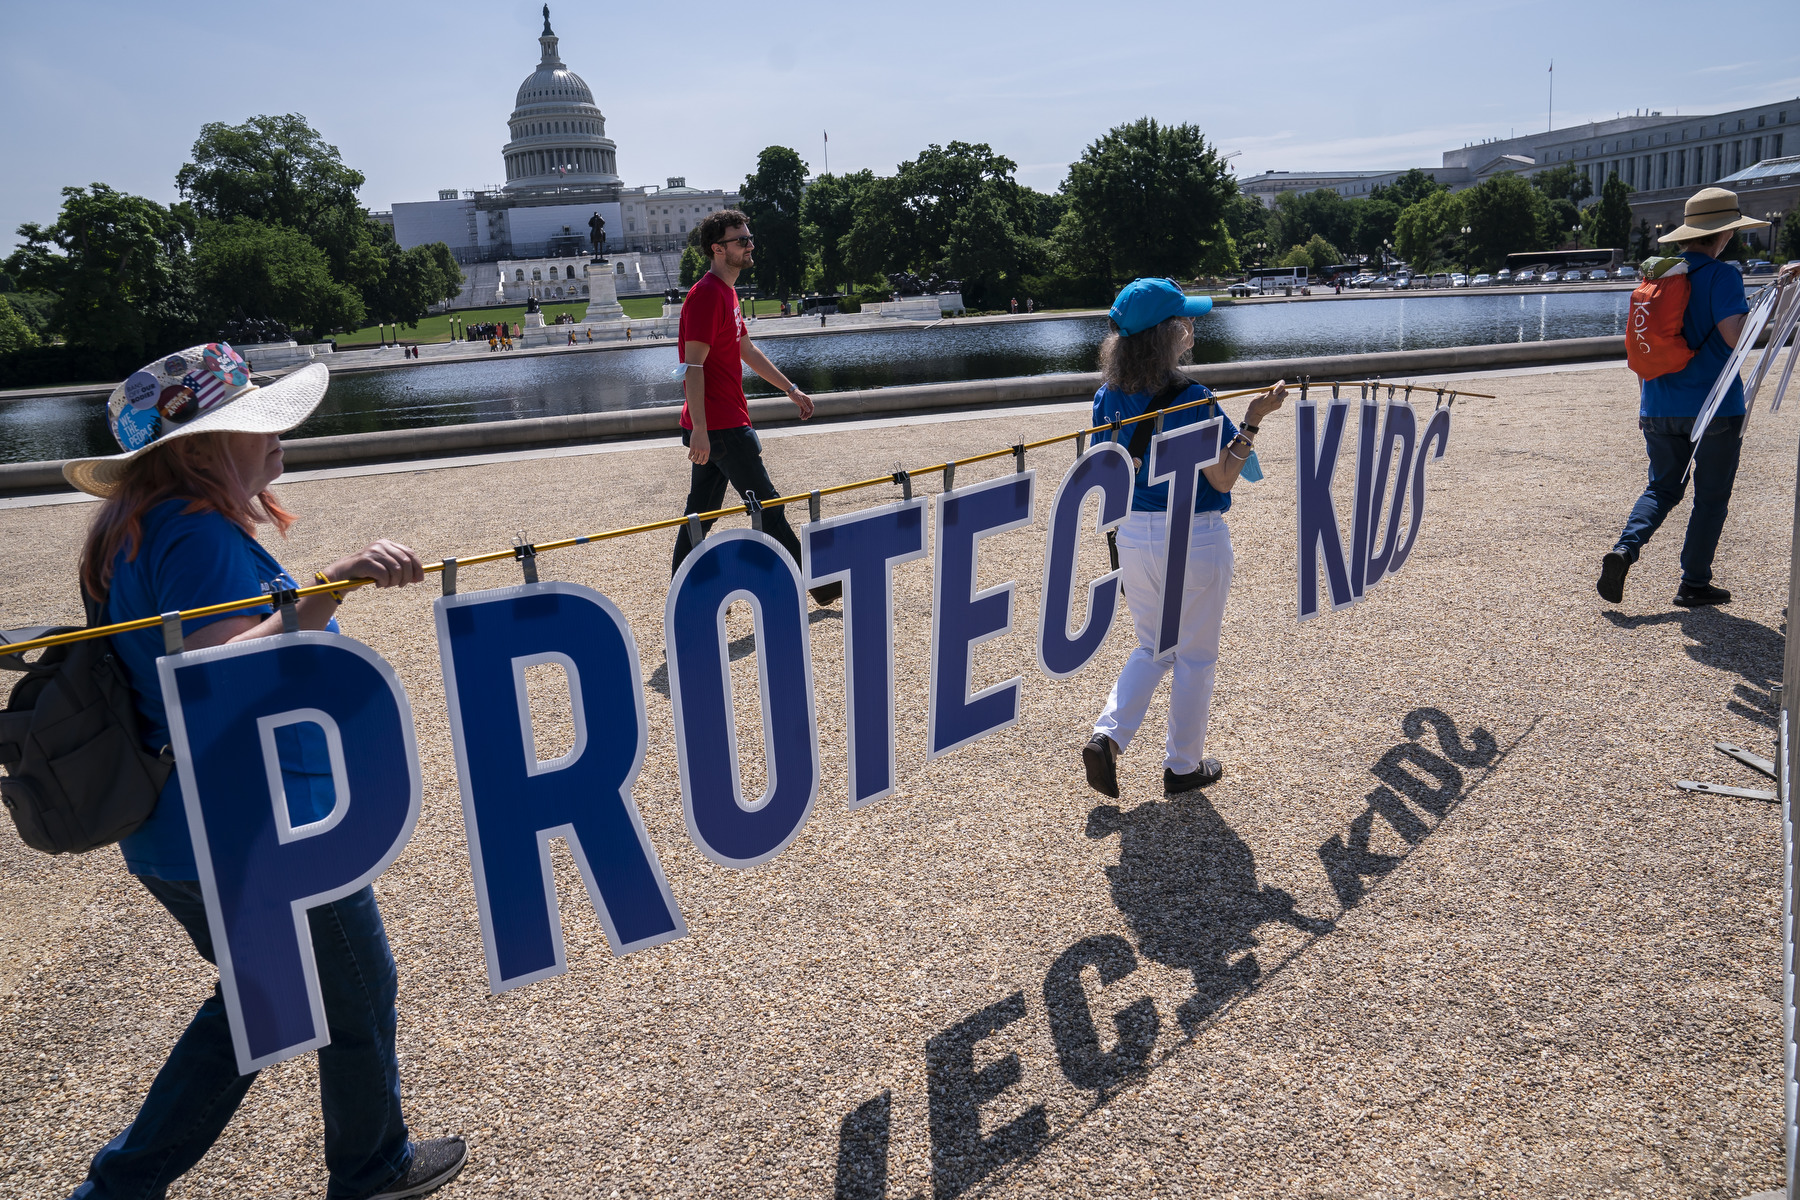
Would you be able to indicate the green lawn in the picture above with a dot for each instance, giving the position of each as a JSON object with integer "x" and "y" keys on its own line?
{"x": 437, "y": 328}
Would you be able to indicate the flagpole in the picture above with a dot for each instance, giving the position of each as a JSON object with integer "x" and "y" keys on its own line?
{"x": 1550, "y": 120}
{"x": 827, "y": 134}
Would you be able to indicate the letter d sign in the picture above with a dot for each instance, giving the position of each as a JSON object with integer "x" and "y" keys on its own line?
{"x": 260, "y": 872}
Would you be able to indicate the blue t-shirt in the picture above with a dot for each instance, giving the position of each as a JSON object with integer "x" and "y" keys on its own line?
{"x": 188, "y": 560}
{"x": 1111, "y": 405}
{"x": 1716, "y": 291}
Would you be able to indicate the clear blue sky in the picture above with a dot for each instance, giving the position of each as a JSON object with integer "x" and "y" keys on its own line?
{"x": 416, "y": 95}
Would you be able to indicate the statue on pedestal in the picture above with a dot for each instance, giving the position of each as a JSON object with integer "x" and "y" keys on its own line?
{"x": 531, "y": 304}
{"x": 597, "y": 235}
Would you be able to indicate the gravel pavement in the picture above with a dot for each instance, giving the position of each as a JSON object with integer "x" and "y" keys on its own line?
{"x": 1445, "y": 928}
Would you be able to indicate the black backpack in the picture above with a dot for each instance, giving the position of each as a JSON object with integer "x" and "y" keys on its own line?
{"x": 77, "y": 773}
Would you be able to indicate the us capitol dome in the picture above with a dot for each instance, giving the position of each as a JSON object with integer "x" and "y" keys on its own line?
{"x": 558, "y": 132}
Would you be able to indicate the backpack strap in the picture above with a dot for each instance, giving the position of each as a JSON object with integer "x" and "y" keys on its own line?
{"x": 1144, "y": 430}
{"x": 16, "y": 662}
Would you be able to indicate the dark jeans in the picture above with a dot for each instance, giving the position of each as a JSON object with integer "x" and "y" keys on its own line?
{"x": 735, "y": 459}
{"x": 1715, "y": 468}
{"x": 199, "y": 1088}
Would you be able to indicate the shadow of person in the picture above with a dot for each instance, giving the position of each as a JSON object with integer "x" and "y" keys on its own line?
{"x": 1726, "y": 642}
{"x": 1186, "y": 883}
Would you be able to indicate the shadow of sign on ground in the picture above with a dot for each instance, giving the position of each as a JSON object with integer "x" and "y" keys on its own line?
{"x": 1187, "y": 887}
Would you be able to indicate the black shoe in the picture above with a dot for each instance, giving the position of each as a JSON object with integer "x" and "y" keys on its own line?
{"x": 434, "y": 1164}
{"x": 1612, "y": 577}
{"x": 1698, "y": 595}
{"x": 827, "y": 593}
{"x": 1100, "y": 757}
{"x": 1210, "y": 772}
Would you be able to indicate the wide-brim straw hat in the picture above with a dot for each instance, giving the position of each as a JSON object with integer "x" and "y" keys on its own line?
{"x": 1710, "y": 211}
{"x": 203, "y": 389}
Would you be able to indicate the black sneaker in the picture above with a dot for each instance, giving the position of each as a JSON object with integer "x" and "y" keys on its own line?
{"x": 1698, "y": 595}
{"x": 1612, "y": 577}
{"x": 434, "y": 1164}
{"x": 1211, "y": 770}
{"x": 827, "y": 593}
{"x": 1100, "y": 757}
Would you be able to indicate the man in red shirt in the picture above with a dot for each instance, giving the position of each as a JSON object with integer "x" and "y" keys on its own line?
{"x": 715, "y": 420}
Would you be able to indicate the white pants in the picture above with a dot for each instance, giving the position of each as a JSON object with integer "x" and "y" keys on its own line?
{"x": 1195, "y": 656}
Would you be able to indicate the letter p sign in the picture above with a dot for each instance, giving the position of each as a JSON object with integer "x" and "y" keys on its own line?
{"x": 231, "y": 708}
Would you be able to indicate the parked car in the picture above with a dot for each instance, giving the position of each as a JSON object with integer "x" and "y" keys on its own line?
{"x": 1526, "y": 276}
{"x": 1482, "y": 280}
{"x": 1241, "y": 289}
{"x": 1598, "y": 274}
{"x": 1381, "y": 283}
{"x": 1550, "y": 276}
{"x": 1362, "y": 281}
{"x": 1504, "y": 276}
{"x": 1402, "y": 280}
{"x": 1458, "y": 279}
{"x": 1625, "y": 273}
{"x": 1759, "y": 266}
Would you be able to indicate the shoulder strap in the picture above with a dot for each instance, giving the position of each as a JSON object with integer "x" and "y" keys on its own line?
{"x": 1143, "y": 430}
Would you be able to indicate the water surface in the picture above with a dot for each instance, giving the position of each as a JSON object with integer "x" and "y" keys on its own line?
{"x": 509, "y": 386}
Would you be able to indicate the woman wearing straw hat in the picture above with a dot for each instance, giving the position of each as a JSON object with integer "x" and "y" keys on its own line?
{"x": 176, "y": 531}
{"x": 1153, "y": 329}
{"x": 1669, "y": 404}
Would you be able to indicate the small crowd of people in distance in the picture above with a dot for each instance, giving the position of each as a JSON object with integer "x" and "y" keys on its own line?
{"x": 497, "y": 334}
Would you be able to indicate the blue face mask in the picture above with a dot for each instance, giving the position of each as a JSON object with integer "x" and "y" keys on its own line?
{"x": 1252, "y": 472}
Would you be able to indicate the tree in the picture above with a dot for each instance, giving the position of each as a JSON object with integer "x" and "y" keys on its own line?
{"x": 1298, "y": 216}
{"x": 1407, "y": 190}
{"x": 827, "y": 212}
{"x": 771, "y": 199}
{"x": 408, "y": 282}
{"x": 1152, "y": 196}
{"x": 1425, "y": 229}
{"x": 1789, "y": 244}
{"x": 1375, "y": 222}
{"x": 1643, "y": 245}
{"x": 279, "y": 171}
{"x": 1316, "y": 255}
{"x": 248, "y": 269}
{"x": 693, "y": 265}
{"x": 986, "y": 251}
{"x": 117, "y": 265}
{"x": 1076, "y": 271}
{"x": 1612, "y": 217}
{"x": 1563, "y": 183}
{"x": 908, "y": 222}
{"x": 1562, "y": 221}
{"x": 1504, "y": 217}
{"x": 15, "y": 335}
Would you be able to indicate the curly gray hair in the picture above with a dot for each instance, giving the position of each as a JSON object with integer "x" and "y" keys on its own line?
{"x": 1144, "y": 362}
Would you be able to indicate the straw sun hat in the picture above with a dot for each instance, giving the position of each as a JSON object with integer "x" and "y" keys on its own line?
{"x": 1709, "y": 211}
{"x": 203, "y": 389}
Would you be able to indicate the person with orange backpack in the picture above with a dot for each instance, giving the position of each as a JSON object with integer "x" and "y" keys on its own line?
{"x": 1685, "y": 321}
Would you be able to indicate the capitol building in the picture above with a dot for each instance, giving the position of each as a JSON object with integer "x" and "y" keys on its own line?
{"x": 528, "y": 237}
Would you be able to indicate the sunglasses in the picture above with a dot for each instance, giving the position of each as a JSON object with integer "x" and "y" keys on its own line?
{"x": 745, "y": 242}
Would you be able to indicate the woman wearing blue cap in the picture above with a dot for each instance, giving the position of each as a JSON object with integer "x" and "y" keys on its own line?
{"x": 1153, "y": 330}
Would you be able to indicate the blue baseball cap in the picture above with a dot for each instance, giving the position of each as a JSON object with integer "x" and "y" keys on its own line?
{"x": 1147, "y": 303}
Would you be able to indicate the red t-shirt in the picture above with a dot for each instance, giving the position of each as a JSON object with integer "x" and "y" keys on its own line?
{"x": 711, "y": 315}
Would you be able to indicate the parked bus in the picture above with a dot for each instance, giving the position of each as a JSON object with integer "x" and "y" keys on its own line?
{"x": 1276, "y": 279}
{"x": 1565, "y": 260}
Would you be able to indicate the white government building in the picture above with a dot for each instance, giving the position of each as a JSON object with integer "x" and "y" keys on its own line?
{"x": 528, "y": 237}
{"x": 1651, "y": 152}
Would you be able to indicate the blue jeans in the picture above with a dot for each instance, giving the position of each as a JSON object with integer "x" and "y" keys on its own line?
{"x": 199, "y": 1088}
{"x": 1715, "y": 468}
